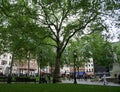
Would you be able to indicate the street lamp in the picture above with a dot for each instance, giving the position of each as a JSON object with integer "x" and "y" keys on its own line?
{"x": 75, "y": 56}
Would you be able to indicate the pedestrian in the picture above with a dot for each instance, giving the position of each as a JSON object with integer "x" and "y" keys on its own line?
{"x": 104, "y": 79}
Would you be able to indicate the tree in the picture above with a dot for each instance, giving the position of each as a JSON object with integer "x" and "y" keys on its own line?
{"x": 116, "y": 50}
{"x": 17, "y": 32}
{"x": 45, "y": 57}
{"x": 50, "y": 16}
{"x": 99, "y": 49}
{"x": 81, "y": 57}
{"x": 63, "y": 19}
{"x": 66, "y": 18}
{"x": 79, "y": 46}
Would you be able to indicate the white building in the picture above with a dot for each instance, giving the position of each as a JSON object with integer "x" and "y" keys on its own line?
{"x": 89, "y": 67}
{"x": 6, "y": 58}
{"x": 22, "y": 67}
{"x": 5, "y": 61}
{"x": 65, "y": 70}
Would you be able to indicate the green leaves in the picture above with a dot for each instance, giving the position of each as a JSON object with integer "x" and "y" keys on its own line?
{"x": 116, "y": 49}
{"x": 100, "y": 49}
{"x": 30, "y": 24}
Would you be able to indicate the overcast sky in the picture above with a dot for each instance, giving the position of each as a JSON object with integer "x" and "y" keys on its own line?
{"x": 114, "y": 29}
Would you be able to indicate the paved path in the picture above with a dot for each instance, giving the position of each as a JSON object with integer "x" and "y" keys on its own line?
{"x": 90, "y": 83}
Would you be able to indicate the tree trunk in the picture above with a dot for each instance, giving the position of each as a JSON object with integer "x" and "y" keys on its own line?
{"x": 39, "y": 72}
{"x": 28, "y": 68}
{"x": 10, "y": 74}
{"x": 19, "y": 68}
{"x": 94, "y": 67}
{"x": 28, "y": 61}
{"x": 56, "y": 75}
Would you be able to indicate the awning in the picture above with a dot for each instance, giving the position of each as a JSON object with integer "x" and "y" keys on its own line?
{"x": 80, "y": 73}
{"x": 27, "y": 69}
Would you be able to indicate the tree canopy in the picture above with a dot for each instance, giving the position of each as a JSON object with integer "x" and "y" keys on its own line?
{"x": 56, "y": 20}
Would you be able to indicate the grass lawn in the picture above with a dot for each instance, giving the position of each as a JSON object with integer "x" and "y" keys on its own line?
{"x": 26, "y": 87}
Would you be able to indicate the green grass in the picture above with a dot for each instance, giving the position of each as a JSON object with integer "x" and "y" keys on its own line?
{"x": 26, "y": 87}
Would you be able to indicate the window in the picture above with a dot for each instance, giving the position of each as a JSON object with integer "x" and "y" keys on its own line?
{"x": 92, "y": 69}
{"x": 4, "y": 56}
{"x": 3, "y": 62}
{"x": 10, "y": 57}
{"x": 89, "y": 70}
{"x": 89, "y": 65}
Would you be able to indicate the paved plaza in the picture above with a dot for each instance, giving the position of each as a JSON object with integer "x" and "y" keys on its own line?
{"x": 90, "y": 83}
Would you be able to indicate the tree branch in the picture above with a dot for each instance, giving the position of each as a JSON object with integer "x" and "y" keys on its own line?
{"x": 65, "y": 42}
{"x": 47, "y": 19}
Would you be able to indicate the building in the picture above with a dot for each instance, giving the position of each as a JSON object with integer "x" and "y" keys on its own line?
{"x": 21, "y": 67}
{"x": 18, "y": 67}
{"x": 5, "y": 61}
{"x": 89, "y": 67}
{"x": 65, "y": 70}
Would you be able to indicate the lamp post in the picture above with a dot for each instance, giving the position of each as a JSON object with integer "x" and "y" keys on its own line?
{"x": 75, "y": 56}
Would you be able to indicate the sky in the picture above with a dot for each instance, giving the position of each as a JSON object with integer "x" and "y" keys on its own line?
{"x": 114, "y": 30}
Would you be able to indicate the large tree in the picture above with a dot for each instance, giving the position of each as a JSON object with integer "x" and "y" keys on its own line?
{"x": 63, "y": 19}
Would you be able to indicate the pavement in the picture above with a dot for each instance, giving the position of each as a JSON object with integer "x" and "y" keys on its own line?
{"x": 88, "y": 82}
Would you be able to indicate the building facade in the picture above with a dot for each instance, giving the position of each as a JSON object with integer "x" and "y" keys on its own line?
{"x": 89, "y": 67}
{"x": 18, "y": 67}
{"x": 22, "y": 67}
{"x": 5, "y": 61}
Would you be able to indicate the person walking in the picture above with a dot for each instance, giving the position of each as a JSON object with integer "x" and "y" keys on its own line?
{"x": 104, "y": 79}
